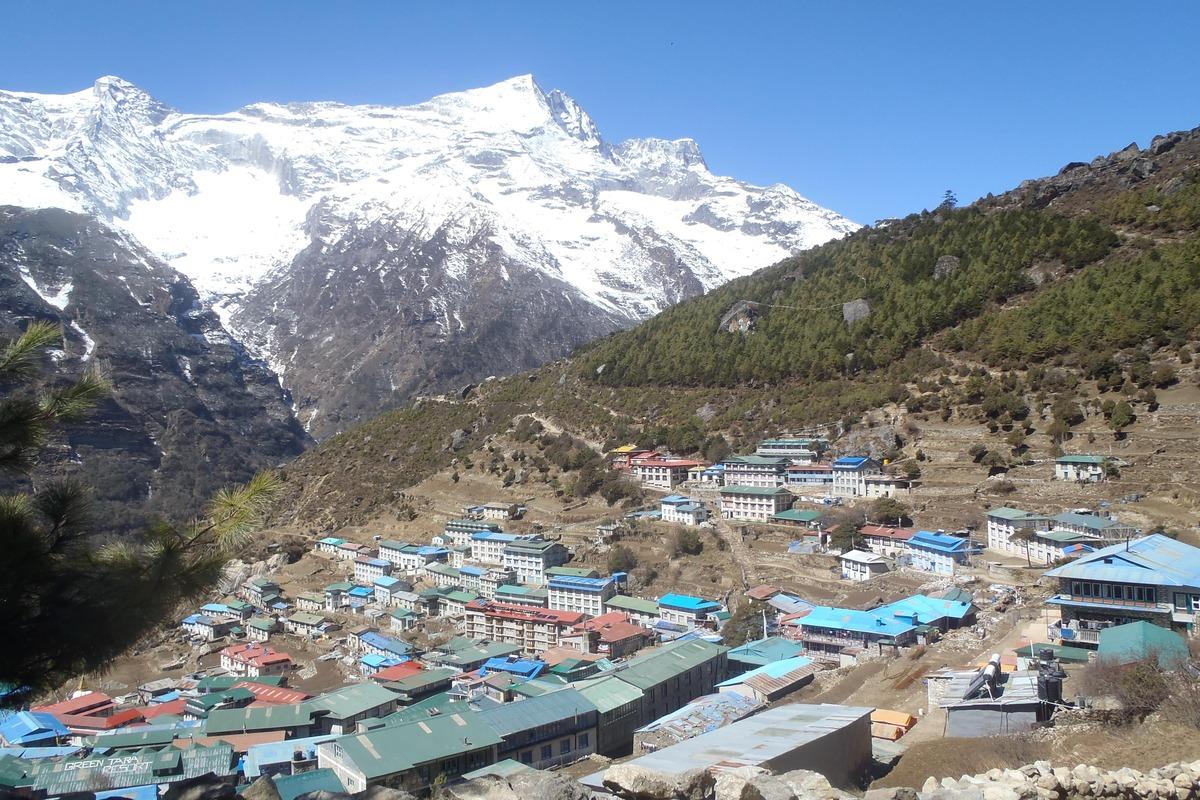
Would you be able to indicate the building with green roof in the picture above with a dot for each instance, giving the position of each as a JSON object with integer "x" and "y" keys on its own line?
{"x": 1135, "y": 641}
{"x": 675, "y": 674}
{"x": 340, "y": 710}
{"x": 88, "y": 773}
{"x": 411, "y": 756}
{"x": 572, "y": 572}
{"x": 546, "y": 731}
{"x": 621, "y": 708}
{"x": 415, "y": 687}
{"x": 763, "y": 651}
{"x": 639, "y": 609}
{"x": 317, "y": 780}
{"x": 296, "y": 720}
{"x": 754, "y": 503}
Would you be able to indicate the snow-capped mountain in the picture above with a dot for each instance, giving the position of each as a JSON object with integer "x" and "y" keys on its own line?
{"x": 371, "y": 252}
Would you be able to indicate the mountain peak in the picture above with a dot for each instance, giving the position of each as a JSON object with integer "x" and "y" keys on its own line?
{"x": 573, "y": 119}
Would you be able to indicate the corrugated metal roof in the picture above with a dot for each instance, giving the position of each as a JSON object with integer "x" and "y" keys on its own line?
{"x": 352, "y": 700}
{"x": 1154, "y": 559}
{"x": 776, "y": 676}
{"x": 653, "y": 667}
{"x": 609, "y": 692}
{"x": 1134, "y": 641}
{"x": 399, "y": 748}
{"x": 535, "y": 712}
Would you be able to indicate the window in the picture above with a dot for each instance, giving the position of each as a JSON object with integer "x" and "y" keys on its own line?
{"x": 527, "y": 757}
{"x": 564, "y": 747}
{"x": 581, "y": 741}
{"x": 547, "y": 751}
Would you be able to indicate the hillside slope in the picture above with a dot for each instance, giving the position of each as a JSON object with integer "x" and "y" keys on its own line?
{"x": 189, "y": 411}
{"x": 1021, "y": 323}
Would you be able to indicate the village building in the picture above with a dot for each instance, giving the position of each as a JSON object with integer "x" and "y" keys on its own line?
{"x": 762, "y": 651}
{"x": 534, "y": 630}
{"x": 885, "y": 541}
{"x": 339, "y": 711}
{"x": 441, "y": 575}
{"x": 254, "y": 660}
{"x": 495, "y": 577}
{"x": 620, "y": 712}
{"x": 401, "y": 619}
{"x": 714, "y": 474}
{"x": 850, "y": 475}
{"x": 798, "y": 518}
{"x": 367, "y": 569}
{"x": 348, "y": 551}
{"x": 772, "y": 681}
{"x": 208, "y": 628}
{"x": 500, "y": 511}
{"x": 412, "y": 755}
{"x": 696, "y": 473}
{"x": 547, "y": 731}
{"x": 1081, "y": 468}
{"x": 663, "y": 473}
{"x": 454, "y": 604}
{"x": 459, "y": 531}
{"x": 329, "y": 544}
{"x": 384, "y": 585}
{"x": 303, "y": 623}
{"x": 611, "y": 635}
{"x": 640, "y": 611}
{"x": 457, "y": 555}
{"x": 410, "y": 558}
{"x": 800, "y": 451}
{"x": 1003, "y": 522}
{"x": 876, "y": 486}
{"x": 816, "y": 477}
{"x": 832, "y": 632}
{"x": 938, "y": 553}
{"x": 686, "y": 610}
{"x": 1155, "y": 579}
{"x": 530, "y": 558}
{"x": 754, "y": 503}
{"x": 674, "y": 674}
{"x": 487, "y": 547}
{"x": 682, "y": 510}
{"x": 755, "y": 470}
{"x": 862, "y": 566}
{"x": 259, "y": 591}
{"x": 259, "y": 629}
{"x": 584, "y": 595}
{"x": 310, "y": 601}
{"x": 517, "y": 594}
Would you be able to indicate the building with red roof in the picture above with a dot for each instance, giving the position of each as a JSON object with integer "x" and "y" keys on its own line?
{"x": 611, "y": 635}
{"x": 885, "y": 541}
{"x": 272, "y": 695}
{"x": 398, "y": 672}
{"x": 89, "y": 704}
{"x": 88, "y": 725}
{"x": 664, "y": 473}
{"x": 534, "y": 630}
{"x": 254, "y": 660}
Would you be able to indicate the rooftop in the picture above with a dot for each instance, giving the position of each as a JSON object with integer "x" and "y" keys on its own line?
{"x": 797, "y": 515}
{"x": 1081, "y": 459}
{"x": 687, "y": 602}
{"x": 546, "y": 709}
{"x": 1154, "y": 559}
{"x": 398, "y": 748}
{"x": 752, "y": 741}
{"x": 850, "y": 462}
{"x": 1123, "y": 644}
{"x": 939, "y": 542}
{"x": 765, "y": 651}
{"x": 754, "y": 491}
{"x": 850, "y": 619}
{"x": 639, "y": 605}
{"x": 352, "y": 700}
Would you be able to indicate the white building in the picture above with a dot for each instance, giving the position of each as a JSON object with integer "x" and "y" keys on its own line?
{"x": 410, "y": 558}
{"x": 754, "y": 503}
{"x": 487, "y": 547}
{"x": 801, "y": 451}
{"x": 686, "y": 610}
{"x": 367, "y": 569}
{"x": 755, "y": 470}
{"x": 441, "y": 575}
{"x": 254, "y": 660}
{"x": 493, "y": 579}
{"x": 1084, "y": 468}
{"x": 860, "y": 566}
{"x": 585, "y": 595}
{"x": 500, "y": 511}
{"x": 530, "y": 558}
{"x": 885, "y": 486}
{"x": 682, "y": 510}
{"x": 664, "y": 473}
{"x": 1003, "y": 522}
{"x": 850, "y": 473}
{"x": 385, "y": 586}
{"x": 815, "y": 478}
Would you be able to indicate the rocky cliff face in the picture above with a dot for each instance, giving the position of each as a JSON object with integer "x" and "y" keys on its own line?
{"x": 369, "y": 253}
{"x": 190, "y": 411}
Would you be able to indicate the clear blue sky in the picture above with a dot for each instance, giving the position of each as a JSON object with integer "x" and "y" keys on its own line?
{"x": 870, "y": 108}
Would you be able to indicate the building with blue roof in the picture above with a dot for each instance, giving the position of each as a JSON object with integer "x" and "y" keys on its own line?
{"x": 370, "y": 663}
{"x": 372, "y": 641}
{"x": 682, "y": 510}
{"x": 938, "y": 553}
{"x": 275, "y": 758}
{"x": 1154, "y": 578}
{"x": 686, "y": 610}
{"x": 936, "y": 612}
{"x": 830, "y": 631}
{"x": 31, "y": 728}
{"x": 578, "y": 593}
{"x": 524, "y": 667}
{"x": 850, "y": 475}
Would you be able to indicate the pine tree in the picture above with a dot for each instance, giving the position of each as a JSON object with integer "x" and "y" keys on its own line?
{"x": 70, "y": 603}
